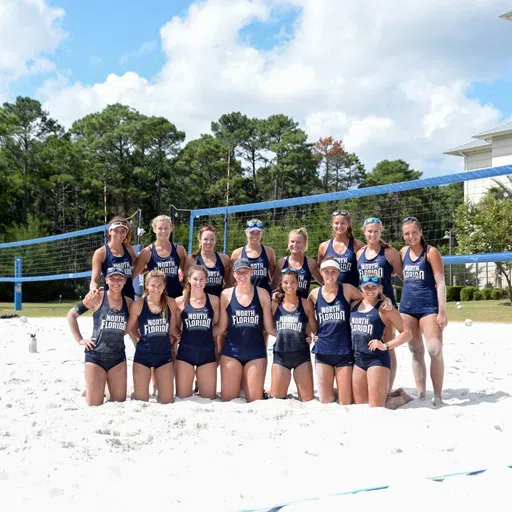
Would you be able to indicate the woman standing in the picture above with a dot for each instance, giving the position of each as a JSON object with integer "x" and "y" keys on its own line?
{"x": 343, "y": 247}
{"x": 196, "y": 352}
{"x": 163, "y": 255}
{"x": 294, "y": 318}
{"x": 423, "y": 306}
{"x": 153, "y": 319}
{"x": 105, "y": 357}
{"x": 380, "y": 259}
{"x": 261, "y": 258}
{"x": 372, "y": 362}
{"x": 307, "y": 268}
{"x": 244, "y": 314}
{"x": 116, "y": 253}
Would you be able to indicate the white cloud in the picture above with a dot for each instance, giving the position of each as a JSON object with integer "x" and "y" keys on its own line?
{"x": 28, "y": 30}
{"x": 391, "y": 82}
{"x": 144, "y": 49}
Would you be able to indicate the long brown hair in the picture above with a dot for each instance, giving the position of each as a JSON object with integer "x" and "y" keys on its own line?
{"x": 187, "y": 290}
{"x": 373, "y": 220}
{"x": 157, "y": 274}
{"x": 118, "y": 218}
{"x": 350, "y": 231}
{"x": 204, "y": 229}
{"x": 414, "y": 220}
{"x": 279, "y": 292}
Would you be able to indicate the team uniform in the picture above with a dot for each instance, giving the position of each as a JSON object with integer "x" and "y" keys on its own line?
{"x": 197, "y": 345}
{"x": 108, "y": 329}
{"x": 334, "y": 346}
{"x": 419, "y": 293}
{"x": 169, "y": 266}
{"x": 347, "y": 261}
{"x": 290, "y": 348}
{"x": 123, "y": 262}
{"x": 378, "y": 266}
{"x": 367, "y": 326}
{"x": 304, "y": 277}
{"x": 244, "y": 339}
{"x": 215, "y": 281}
{"x": 154, "y": 348}
{"x": 260, "y": 269}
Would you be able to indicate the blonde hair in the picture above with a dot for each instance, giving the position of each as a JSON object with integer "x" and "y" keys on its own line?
{"x": 157, "y": 274}
{"x": 192, "y": 269}
{"x": 161, "y": 218}
{"x": 382, "y": 243}
{"x": 300, "y": 231}
{"x": 118, "y": 218}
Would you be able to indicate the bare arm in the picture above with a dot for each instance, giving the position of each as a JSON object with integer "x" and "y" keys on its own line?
{"x": 142, "y": 261}
{"x": 91, "y": 301}
{"x": 227, "y": 269}
{"x": 189, "y": 262}
{"x": 182, "y": 253}
{"x": 393, "y": 318}
{"x": 358, "y": 245}
{"x": 321, "y": 252}
{"x": 268, "y": 320}
{"x": 222, "y": 324}
{"x": 133, "y": 318}
{"x": 97, "y": 261}
{"x": 310, "y": 313}
{"x": 175, "y": 318}
{"x": 315, "y": 271}
{"x": 215, "y": 302}
{"x": 393, "y": 257}
{"x": 271, "y": 255}
{"x": 438, "y": 269}
{"x": 277, "y": 273}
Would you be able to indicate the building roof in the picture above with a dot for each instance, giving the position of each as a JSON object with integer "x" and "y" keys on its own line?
{"x": 472, "y": 146}
{"x": 502, "y": 129}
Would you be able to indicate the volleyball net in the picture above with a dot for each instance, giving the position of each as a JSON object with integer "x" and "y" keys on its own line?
{"x": 432, "y": 200}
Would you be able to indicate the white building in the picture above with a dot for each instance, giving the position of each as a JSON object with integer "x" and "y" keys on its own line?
{"x": 491, "y": 148}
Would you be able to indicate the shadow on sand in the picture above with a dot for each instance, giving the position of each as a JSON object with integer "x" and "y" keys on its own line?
{"x": 460, "y": 397}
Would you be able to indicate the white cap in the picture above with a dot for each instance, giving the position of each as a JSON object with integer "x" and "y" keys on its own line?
{"x": 330, "y": 263}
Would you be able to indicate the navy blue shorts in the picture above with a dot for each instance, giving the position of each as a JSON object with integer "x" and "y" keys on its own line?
{"x": 106, "y": 364}
{"x": 292, "y": 360}
{"x": 419, "y": 316}
{"x": 378, "y": 358}
{"x": 152, "y": 360}
{"x": 244, "y": 360}
{"x": 336, "y": 361}
{"x": 196, "y": 357}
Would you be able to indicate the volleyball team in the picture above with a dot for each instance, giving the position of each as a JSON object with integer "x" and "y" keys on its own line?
{"x": 229, "y": 307}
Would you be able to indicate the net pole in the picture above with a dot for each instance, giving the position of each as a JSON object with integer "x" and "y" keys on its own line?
{"x": 105, "y": 208}
{"x": 227, "y": 206}
{"x": 17, "y": 284}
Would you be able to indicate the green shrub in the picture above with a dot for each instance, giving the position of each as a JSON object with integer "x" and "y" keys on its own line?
{"x": 486, "y": 293}
{"x": 467, "y": 293}
{"x": 497, "y": 294}
{"x": 478, "y": 295}
{"x": 453, "y": 293}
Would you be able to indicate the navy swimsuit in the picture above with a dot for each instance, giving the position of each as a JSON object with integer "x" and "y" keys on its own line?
{"x": 304, "y": 275}
{"x": 123, "y": 262}
{"x": 108, "y": 329}
{"x": 170, "y": 267}
{"x": 260, "y": 269}
{"x": 347, "y": 261}
{"x": 215, "y": 281}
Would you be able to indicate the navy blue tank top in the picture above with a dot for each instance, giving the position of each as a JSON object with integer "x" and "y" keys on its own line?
{"x": 124, "y": 262}
{"x": 108, "y": 329}
{"x": 365, "y": 327}
{"x": 333, "y": 324}
{"x": 419, "y": 293}
{"x": 291, "y": 329}
{"x": 215, "y": 281}
{"x": 244, "y": 338}
{"x": 304, "y": 275}
{"x": 260, "y": 269}
{"x": 170, "y": 267}
{"x": 154, "y": 331}
{"x": 347, "y": 261}
{"x": 379, "y": 266}
{"x": 197, "y": 325}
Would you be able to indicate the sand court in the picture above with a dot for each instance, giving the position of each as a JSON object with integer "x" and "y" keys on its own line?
{"x": 202, "y": 454}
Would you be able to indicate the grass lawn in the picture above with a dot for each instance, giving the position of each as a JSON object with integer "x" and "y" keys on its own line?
{"x": 478, "y": 311}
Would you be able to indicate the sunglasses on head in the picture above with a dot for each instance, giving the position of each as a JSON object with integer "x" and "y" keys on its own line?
{"x": 407, "y": 219}
{"x": 371, "y": 220}
{"x": 340, "y": 212}
{"x": 371, "y": 279}
{"x": 207, "y": 228}
{"x": 257, "y": 224}
{"x": 289, "y": 269}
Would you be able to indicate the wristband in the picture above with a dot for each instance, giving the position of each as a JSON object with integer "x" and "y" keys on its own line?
{"x": 80, "y": 308}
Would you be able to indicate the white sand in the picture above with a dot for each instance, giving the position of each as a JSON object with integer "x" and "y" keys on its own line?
{"x": 198, "y": 454}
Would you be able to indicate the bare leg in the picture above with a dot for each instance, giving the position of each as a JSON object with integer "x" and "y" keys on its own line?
{"x": 359, "y": 385}
{"x": 434, "y": 341}
{"x": 378, "y": 381}
{"x": 303, "y": 376}
{"x": 164, "y": 376}
{"x": 117, "y": 382}
{"x": 397, "y": 398}
{"x": 207, "y": 380}
{"x": 325, "y": 377}
{"x": 141, "y": 380}
{"x": 280, "y": 381}
{"x": 95, "y": 379}
{"x": 389, "y": 334}
{"x": 418, "y": 355}
{"x": 231, "y": 372}
{"x": 185, "y": 374}
{"x": 344, "y": 383}
{"x": 254, "y": 378}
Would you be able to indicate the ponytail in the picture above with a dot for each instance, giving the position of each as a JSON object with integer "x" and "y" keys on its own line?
{"x": 424, "y": 243}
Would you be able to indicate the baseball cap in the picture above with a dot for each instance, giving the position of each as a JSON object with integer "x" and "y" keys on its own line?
{"x": 115, "y": 271}
{"x": 366, "y": 280}
{"x": 240, "y": 264}
{"x": 330, "y": 263}
{"x": 118, "y": 224}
